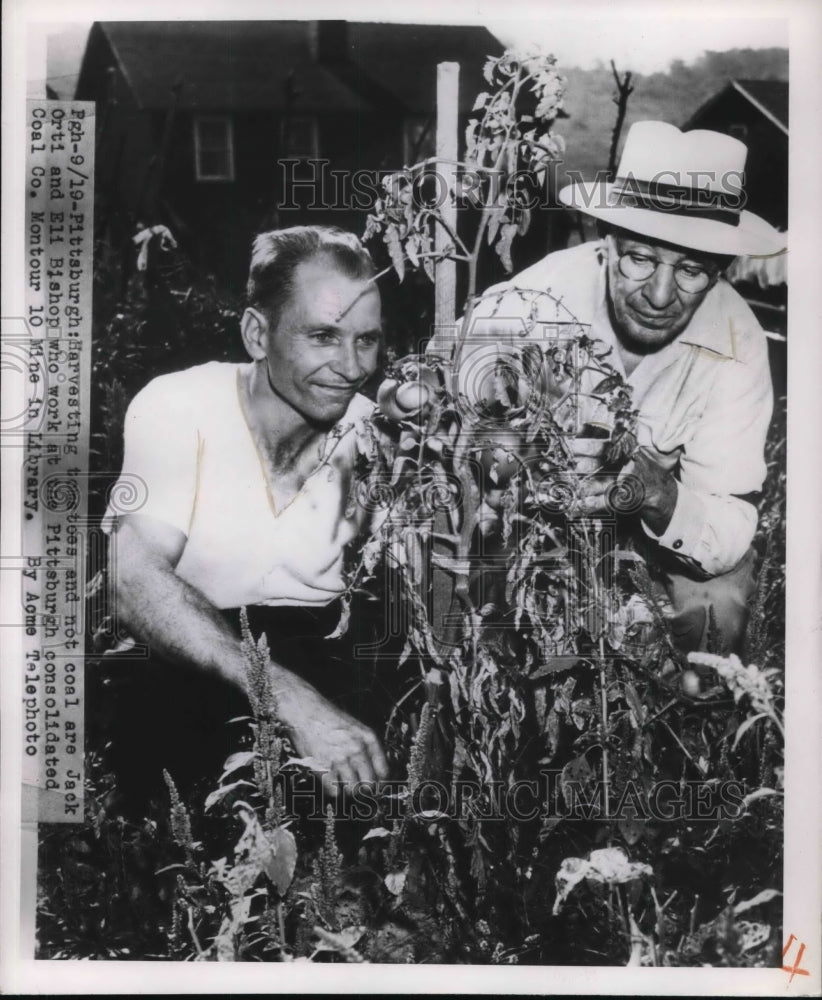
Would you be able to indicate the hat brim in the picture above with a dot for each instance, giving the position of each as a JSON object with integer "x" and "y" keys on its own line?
{"x": 753, "y": 236}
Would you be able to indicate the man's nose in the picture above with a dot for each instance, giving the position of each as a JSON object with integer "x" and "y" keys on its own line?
{"x": 347, "y": 363}
{"x": 660, "y": 288}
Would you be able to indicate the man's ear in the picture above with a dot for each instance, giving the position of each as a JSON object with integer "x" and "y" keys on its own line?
{"x": 608, "y": 245}
{"x": 254, "y": 330}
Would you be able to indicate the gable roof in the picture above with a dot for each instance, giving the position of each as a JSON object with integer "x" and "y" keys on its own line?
{"x": 769, "y": 97}
{"x": 249, "y": 65}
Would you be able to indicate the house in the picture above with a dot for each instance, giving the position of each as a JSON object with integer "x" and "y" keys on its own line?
{"x": 219, "y": 129}
{"x": 756, "y": 112}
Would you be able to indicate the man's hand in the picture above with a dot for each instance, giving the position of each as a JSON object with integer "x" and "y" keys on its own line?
{"x": 182, "y": 625}
{"x": 659, "y": 492}
{"x": 336, "y": 740}
{"x": 593, "y": 488}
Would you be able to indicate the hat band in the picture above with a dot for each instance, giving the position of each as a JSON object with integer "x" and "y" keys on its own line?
{"x": 696, "y": 203}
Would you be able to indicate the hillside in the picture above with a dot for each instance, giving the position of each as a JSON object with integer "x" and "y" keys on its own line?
{"x": 671, "y": 96}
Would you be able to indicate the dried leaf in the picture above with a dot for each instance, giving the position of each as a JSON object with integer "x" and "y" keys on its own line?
{"x": 608, "y": 866}
{"x": 758, "y": 900}
{"x": 752, "y": 935}
{"x": 523, "y": 221}
{"x": 342, "y": 941}
{"x": 345, "y": 618}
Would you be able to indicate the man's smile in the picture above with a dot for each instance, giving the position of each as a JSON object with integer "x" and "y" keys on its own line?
{"x": 348, "y": 388}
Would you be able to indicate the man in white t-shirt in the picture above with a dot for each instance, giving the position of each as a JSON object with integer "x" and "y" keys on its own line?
{"x": 248, "y": 471}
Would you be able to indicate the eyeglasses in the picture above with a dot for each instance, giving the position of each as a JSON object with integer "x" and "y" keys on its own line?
{"x": 690, "y": 278}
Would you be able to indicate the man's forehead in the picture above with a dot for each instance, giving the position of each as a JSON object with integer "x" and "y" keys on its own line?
{"x": 328, "y": 292}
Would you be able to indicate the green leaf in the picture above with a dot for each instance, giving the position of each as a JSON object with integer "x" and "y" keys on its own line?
{"x": 496, "y": 215}
{"x": 760, "y": 793}
{"x": 378, "y": 831}
{"x": 631, "y": 829}
{"x": 392, "y": 241}
{"x": 220, "y": 793}
{"x": 746, "y": 725}
{"x": 281, "y": 861}
{"x": 395, "y": 881}
{"x": 608, "y": 384}
{"x": 310, "y": 762}
{"x": 577, "y": 771}
{"x": 411, "y": 248}
{"x": 239, "y": 879}
{"x": 342, "y": 941}
{"x": 637, "y": 709}
{"x": 236, "y": 761}
{"x": 503, "y": 246}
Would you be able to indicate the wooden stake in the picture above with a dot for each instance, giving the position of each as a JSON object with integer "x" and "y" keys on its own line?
{"x": 445, "y": 275}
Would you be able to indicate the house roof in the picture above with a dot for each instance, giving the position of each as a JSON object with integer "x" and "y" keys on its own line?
{"x": 769, "y": 97}
{"x": 248, "y": 65}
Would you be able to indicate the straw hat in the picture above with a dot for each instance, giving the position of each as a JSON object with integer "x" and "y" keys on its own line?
{"x": 685, "y": 188}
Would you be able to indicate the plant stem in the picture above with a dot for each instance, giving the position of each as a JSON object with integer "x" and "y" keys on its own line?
{"x": 606, "y": 777}
{"x": 193, "y": 932}
{"x": 281, "y": 923}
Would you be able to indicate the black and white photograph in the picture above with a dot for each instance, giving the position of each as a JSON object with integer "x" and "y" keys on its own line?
{"x": 410, "y": 498}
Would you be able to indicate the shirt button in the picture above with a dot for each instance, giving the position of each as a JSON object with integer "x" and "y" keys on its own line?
{"x": 678, "y": 543}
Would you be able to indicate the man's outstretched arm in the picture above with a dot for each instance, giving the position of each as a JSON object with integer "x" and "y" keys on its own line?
{"x": 183, "y": 626}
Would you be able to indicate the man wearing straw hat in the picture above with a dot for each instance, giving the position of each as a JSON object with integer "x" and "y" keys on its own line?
{"x": 689, "y": 347}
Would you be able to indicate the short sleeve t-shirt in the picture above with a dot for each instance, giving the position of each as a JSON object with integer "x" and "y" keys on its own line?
{"x": 198, "y": 469}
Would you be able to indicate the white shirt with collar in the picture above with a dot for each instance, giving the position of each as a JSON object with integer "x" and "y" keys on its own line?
{"x": 704, "y": 400}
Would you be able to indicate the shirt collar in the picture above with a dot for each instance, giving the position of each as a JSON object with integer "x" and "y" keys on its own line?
{"x": 712, "y": 326}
